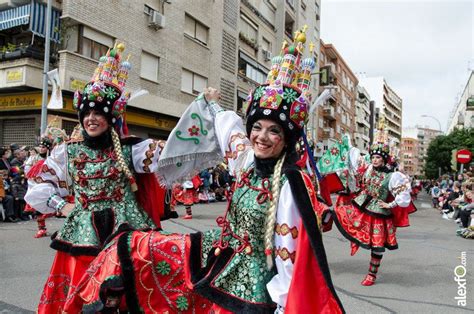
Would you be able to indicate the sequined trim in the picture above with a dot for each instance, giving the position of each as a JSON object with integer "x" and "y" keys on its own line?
{"x": 285, "y": 254}
{"x": 284, "y": 229}
{"x": 150, "y": 153}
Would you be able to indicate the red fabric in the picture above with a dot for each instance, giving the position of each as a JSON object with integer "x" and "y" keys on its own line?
{"x": 35, "y": 169}
{"x": 400, "y": 215}
{"x": 330, "y": 183}
{"x": 307, "y": 275}
{"x": 151, "y": 196}
{"x": 197, "y": 182}
{"x": 307, "y": 281}
{"x": 65, "y": 273}
{"x": 371, "y": 231}
{"x": 161, "y": 275}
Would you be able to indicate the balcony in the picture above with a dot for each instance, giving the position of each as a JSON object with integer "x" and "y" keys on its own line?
{"x": 328, "y": 132}
{"x": 13, "y": 53}
{"x": 329, "y": 113}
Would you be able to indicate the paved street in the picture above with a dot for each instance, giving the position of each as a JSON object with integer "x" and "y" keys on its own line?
{"x": 417, "y": 278}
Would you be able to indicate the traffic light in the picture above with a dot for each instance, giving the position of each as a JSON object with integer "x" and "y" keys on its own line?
{"x": 326, "y": 77}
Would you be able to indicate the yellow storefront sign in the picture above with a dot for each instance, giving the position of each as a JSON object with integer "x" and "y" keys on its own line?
{"x": 32, "y": 101}
{"x": 77, "y": 84}
{"x": 14, "y": 76}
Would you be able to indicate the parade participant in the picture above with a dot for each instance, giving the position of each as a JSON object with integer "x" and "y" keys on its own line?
{"x": 270, "y": 220}
{"x": 53, "y": 136}
{"x": 370, "y": 216}
{"x": 98, "y": 172}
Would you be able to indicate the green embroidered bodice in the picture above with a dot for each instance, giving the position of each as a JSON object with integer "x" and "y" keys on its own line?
{"x": 246, "y": 275}
{"x": 98, "y": 184}
{"x": 374, "y": 187}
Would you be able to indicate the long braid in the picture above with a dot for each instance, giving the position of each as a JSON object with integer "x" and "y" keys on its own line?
{"x": 272, "y": 210}
{"x": 122, "y": 164}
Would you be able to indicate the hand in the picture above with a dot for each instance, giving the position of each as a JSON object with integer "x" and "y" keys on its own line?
{"x": 212, "y": 94}
{"x": 67, "y": 209}
{"x": 384, "y": 205}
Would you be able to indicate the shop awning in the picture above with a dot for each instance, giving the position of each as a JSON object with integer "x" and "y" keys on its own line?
{"x": 33, "y": 15}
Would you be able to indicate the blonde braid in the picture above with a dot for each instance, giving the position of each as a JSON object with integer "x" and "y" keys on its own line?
{"x": 272, "y": 210}
{"x": 122, "y": 164}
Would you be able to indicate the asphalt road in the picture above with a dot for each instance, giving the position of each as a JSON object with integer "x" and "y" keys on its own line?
{"x": 416, "y": 278}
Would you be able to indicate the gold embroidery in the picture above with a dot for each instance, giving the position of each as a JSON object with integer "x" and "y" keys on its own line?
{"x": 284, "y": 229}
{"x": 285, "y": 254}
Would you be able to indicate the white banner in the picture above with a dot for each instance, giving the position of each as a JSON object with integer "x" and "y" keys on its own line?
{"x": 56, "y": 100}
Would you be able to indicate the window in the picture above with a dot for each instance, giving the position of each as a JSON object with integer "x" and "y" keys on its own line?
{"x": 248, "y": 29}
{"x": 268, "y": 12}
{"x": 196, "y": 29}
{"x": 251, "y": 69}
{"x": 192, "y": 83}
{"x": 266, "y": 44}
{"x": 93, "y": 44}
{"x": 241, "y": 98}
{"x": 149, "y": 66}
{"x": 321, "y": 122}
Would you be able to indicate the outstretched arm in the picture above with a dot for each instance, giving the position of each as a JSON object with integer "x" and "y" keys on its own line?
{"x": 46, "y": 191}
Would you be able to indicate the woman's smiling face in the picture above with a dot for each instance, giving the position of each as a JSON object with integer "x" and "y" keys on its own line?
{"x": 95, "y": 123}
{"x": 267, "y": 138}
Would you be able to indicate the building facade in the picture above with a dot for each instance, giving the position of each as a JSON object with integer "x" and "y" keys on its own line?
{"x": 387, "y": 103}
{"x": 409, "y": 162}
{"x": 462, "y": 115}
{"x": 420, "y": 138}
{"x": 337, "y": 115}
{"x": 363, "y": 120}
{"x": 176, "y": 49}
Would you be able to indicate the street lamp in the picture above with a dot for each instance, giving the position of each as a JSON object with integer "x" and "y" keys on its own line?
{"x": 439, "y": 123}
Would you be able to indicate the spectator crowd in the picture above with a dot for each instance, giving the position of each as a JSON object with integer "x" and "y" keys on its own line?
{"x": 14, "y": 161}
{"x": 453, "y": 197}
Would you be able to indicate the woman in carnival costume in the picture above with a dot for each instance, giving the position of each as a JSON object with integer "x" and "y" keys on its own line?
{"x": 52, "y": 137}
{"x": 97, "y": 171}
{"x": 376, "y": 202}
{"x": 268, "y": 254}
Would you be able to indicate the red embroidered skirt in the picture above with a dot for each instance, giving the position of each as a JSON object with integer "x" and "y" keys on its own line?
{"x": 63, "y": 278}
{"x": 370, "y": 232}
{"x": 158, "y": 271}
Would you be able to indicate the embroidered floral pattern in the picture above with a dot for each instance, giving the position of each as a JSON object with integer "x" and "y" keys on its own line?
{"x": 246, "y": 275}
{"x": 163, "y": 268}
{"x": 233, "y": 153}
{"x": 271, "y": 99}
{"x": 193, "y": 131}
{"x": 182, "y": 303}
{"x": 290, "y": 95}
{"x": 98, "y": 185}
{"x": 110, "y": 92}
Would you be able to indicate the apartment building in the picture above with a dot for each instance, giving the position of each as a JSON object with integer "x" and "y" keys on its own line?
{"x": 409, "y": 162}
{"x": 338, "y": 115}
{"x": 176, "y": 49}
{"x": 420, "y": 137}
{"x": 462, "y": 115}
{"x": 364, "y": 120}
{"x": 387, "y": 103}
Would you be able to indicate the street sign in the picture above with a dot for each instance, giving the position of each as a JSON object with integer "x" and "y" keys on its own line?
{"x": 463, "y": 156}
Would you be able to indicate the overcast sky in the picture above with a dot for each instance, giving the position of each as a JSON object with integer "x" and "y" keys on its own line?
{"x": 422, "y": 48}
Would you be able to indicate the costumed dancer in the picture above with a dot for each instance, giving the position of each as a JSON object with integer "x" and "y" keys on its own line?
{"x": 268, "y": 253}
{"x": 378, "y": 201}
{"x": 99, "y": 172}
{"x": 53, "y": 136}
